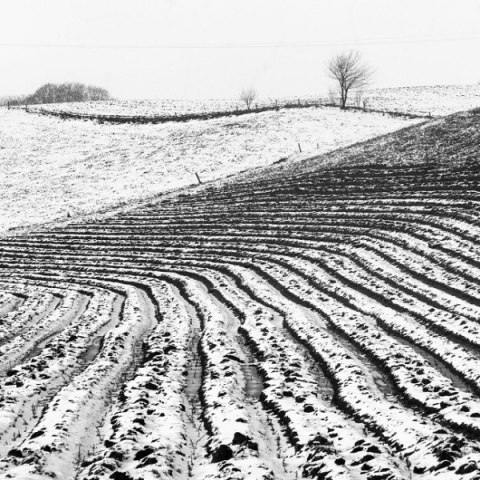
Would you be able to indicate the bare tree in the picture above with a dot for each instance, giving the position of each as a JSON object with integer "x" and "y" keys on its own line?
{"x": 350, "y": 71}
{"x": 247, "y": 96}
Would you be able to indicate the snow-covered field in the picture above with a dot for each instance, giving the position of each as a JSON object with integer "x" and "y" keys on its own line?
{"x": 152, "y": 108}
{"x": 51, "y": 168}
{"x": 312, "y": 319}
{"x": 423, "y": 100}
{"x": 427, "y": 100}
{"x": 316, "y": 317}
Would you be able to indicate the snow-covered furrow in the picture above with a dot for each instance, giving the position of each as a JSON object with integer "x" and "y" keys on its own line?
{"x": 443, "y": 300}
{"x": 440, "y": 298}
{"x": 369, "y": 407}
{"x": 234, "y": 437}
{"x": 464, "y": 303}
{"x": 451, "y": 324}
{"x": 444, "y": 207}
{"x": 321, "y": 435}
{"x": 438, "y": 268}
{"x": 452, "y": 275}
{"x": 227, "y": 296}
{"x": 65, "y": 432}
{"x": 388, "y": 273}
{"x": 436, "y": 386}
{"x": 435, "y": 314}
{"x": 30, "y": 342}
{"x": 420, "y": 381}
{"x": 237, "y": 308}
{"x": 432, "y": 220}
{"x": 30, "y": 385}
{"x": 10, "y": 302}
{"x": 456, "y": 236}
{"x": 40, "y": 303}
{"x": 458, "y": 320}
{"x": 325, "y": 440}
{"x": 345, "y": 285}
{"x": 149, "y": 425}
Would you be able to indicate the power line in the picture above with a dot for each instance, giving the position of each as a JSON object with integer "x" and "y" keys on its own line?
{"x": 336, "y": 43}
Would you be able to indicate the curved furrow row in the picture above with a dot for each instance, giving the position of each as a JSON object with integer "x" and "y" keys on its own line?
{"x": 39, "y": 304}
{"x": 30, "y": 385}
{"x": 328, "y": 286}
{"x": 371, "y": 261}
{"x": 419, "y": 340}
{"x": 454, "y": 235}
{"x": 462, "y": 325}
{"x": 216, "y": 417}
{"x": 10, "y": 300}
{"x": 29, "y": 340}
{"x": 360, "y": 453}
{"x": 418, "y": 257}
{"x": 234, "y": 438}
{"x": 322, "y": 436}
{"x": 419, "y": 467}
{"x": 148, "y": 428}
{"x": 64, "y": 427}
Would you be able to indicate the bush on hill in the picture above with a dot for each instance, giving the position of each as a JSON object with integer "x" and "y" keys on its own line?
{"x": 61, "y": 93}
{"x": 68, "y": 92}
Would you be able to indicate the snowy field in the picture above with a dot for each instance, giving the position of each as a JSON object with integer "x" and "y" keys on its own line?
{"x": 51, "y": 168}
{"x": 435, "y": 101}
{"x": 152, "y": 108}
{"x": 424, "y": 100}
{"x": 310, "y": 320}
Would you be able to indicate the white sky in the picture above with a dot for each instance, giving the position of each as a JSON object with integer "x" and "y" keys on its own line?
{"x": 214, "y": 48}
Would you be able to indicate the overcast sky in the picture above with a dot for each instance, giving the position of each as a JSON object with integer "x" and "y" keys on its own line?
{"x": 214, "y": 48}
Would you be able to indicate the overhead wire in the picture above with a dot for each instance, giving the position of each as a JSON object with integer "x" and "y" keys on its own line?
{"x": 373, "y": 41}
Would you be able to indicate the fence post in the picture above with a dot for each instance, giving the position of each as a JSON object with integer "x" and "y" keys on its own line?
{"x": 198, "y": 178}
{"x": 299, "y": 147}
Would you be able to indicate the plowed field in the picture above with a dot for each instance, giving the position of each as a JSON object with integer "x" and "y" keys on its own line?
{"x": 317, "y": 319}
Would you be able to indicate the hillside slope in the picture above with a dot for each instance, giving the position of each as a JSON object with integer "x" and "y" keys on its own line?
{"x": 448, "y": 142}
{"x": 317, "y": 318}
{"x": 51, "y": 168}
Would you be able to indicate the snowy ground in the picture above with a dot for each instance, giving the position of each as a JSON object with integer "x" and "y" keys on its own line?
{"x": 50, "y": 168}
{"x": 151, "y": 108}
{"x": 310, "y": 319}
{"x": 436, "y": 100}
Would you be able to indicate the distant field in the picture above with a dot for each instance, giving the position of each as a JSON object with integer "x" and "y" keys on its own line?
{"x": 51, "y": 167}
{"x": 436, "y": 101}
{"x": 144, "y": 107}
